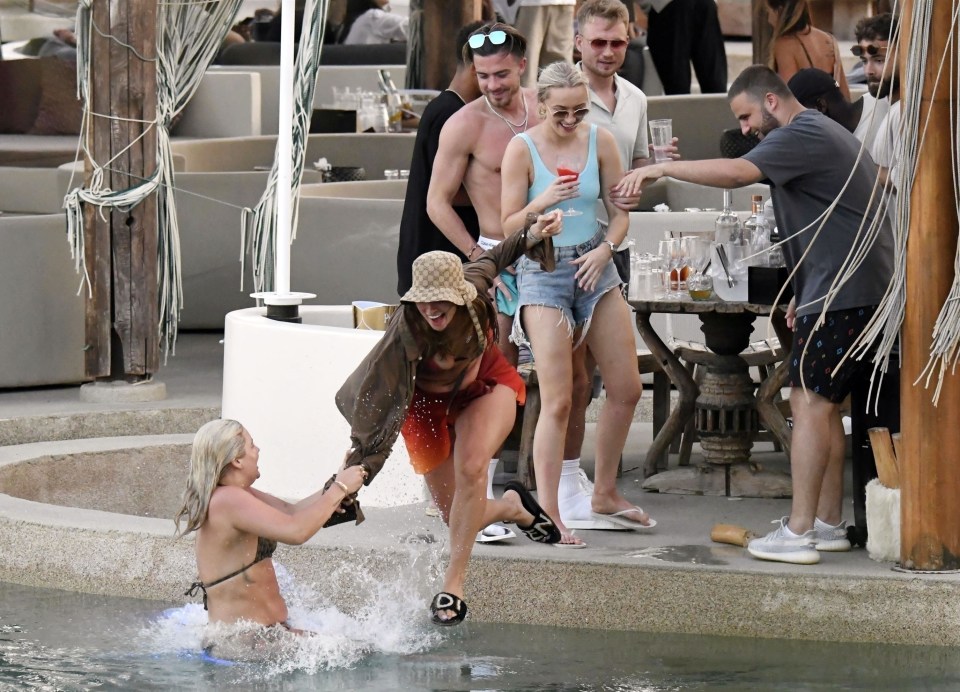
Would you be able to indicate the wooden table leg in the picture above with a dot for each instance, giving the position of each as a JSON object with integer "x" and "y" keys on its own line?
{"x": 685, "y": 385}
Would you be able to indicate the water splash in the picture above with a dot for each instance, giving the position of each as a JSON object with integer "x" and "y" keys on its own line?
{"x": 384, "y": 613}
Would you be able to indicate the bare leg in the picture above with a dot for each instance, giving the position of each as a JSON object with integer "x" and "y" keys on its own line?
{"x": 816, "y": 425}
{"x": 830, "y": 504}
{"x": 480, "y": 430}
{"x": 610, "y": 338}
{"x": 507, "y": 347}
{"x": 583, "y": 367}
{"x": 552, "y": 343}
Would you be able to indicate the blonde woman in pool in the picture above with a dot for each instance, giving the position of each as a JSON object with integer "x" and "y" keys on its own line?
{"x": 238, "y": 527}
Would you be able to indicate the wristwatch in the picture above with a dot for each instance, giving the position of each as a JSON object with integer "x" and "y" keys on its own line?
{"x": 613, "y": 248}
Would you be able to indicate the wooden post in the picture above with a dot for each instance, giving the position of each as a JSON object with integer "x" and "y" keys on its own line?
{"x": 930, "y": 436}
{"x": 121, "y": 248}
{"x": 762, "y": 34}
{"x": 442, "y": 20}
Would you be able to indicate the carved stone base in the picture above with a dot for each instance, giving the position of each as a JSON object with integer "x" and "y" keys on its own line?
{"x": 736, "y": 480}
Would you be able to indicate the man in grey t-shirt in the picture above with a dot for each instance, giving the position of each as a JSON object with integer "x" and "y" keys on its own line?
{"x": 809, "y": 161}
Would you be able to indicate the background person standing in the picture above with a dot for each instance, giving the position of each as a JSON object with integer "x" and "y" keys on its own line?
{"x": 681, "y": 31}
{"x": 548, "y": 27}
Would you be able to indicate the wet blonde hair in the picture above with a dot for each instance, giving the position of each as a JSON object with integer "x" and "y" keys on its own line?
{"x": 558, "y": 75}
{"x": 215, "y": 445}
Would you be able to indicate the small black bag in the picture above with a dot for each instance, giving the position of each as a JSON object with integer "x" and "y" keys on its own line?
{"x": 350, "y": 506}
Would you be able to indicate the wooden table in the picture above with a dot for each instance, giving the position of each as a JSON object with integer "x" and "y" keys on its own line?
{"x": 725, "y": 411}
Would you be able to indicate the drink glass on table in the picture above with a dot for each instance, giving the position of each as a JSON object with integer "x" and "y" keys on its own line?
{"x": 671, "y": 260}
{"x": 661, "y": 134}
{"x": 568, "y": 164}
{"x": 697, "y": 251}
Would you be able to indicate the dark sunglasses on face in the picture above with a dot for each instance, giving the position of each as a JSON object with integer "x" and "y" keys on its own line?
{"x": 601, "y": 44}
{"x": 871, "y": 50}
{"x": 496, "y": 38}
{"x": 563, "y": 114}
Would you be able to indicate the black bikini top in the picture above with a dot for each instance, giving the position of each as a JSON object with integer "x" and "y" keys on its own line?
{"x": 265, "y": 550}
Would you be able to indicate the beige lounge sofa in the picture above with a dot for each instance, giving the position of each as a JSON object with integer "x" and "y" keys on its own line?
{"x": 41, "y": 315}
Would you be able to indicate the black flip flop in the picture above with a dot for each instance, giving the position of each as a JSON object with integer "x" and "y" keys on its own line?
{"x": 447, "y": 601}
{"x": 542, "y": 530}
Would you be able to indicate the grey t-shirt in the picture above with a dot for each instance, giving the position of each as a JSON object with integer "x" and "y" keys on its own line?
{"x": 807, "y": 163}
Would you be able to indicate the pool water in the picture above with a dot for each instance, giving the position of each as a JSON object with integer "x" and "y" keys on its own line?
{"x": 54, "y": 640}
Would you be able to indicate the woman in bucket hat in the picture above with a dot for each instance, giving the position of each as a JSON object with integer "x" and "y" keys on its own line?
{"x": 438, "y": 377}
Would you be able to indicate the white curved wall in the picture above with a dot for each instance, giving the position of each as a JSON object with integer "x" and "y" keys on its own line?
{"x": 279, "y": 381}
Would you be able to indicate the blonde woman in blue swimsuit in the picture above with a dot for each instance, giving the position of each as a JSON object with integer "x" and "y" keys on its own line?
{"x": 580, "y": 302}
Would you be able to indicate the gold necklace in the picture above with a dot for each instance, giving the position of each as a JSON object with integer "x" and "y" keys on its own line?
{"x": 513, "y": 127}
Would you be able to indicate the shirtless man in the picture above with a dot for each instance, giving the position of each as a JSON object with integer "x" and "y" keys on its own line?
{"x": 472, "y": 143}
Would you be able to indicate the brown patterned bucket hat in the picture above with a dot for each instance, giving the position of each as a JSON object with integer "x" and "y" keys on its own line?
{"x": 438, "y": 276}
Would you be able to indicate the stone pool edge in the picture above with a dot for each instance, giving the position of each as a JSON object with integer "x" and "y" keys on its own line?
{"x": 120, "y": 555}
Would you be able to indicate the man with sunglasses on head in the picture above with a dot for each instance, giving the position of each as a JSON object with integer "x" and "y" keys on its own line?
{"x": 418, "y": 235}
{"x": 472, "y": 143}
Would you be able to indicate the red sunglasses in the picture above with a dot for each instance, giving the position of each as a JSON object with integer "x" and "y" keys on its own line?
{"x": 601, "y": 43}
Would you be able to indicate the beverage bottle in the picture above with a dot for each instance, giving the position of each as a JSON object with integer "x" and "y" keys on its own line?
{"x": 633, "y": 285}
{"x": 755, "y": 230}
{"x": 392, "y": 99}
{"x": 776, "y": 252}
{"x": 727, "y": 225}
{"x": 776, "y": 258}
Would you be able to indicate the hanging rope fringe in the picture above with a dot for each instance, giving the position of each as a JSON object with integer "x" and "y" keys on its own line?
{"x": 261, "y": 221}
{"x": 945, "y": 348}
{"x": 189, "y": 35}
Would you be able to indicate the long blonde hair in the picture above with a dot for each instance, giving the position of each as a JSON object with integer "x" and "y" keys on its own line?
{"x": 215, "y": 445}
{"x": 793, "y": 16}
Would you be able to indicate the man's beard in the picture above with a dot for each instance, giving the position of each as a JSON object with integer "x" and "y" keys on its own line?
{"x": 504, "y": 98}
{"x": 767, "y": 122}
{"x": 883, "y": 88}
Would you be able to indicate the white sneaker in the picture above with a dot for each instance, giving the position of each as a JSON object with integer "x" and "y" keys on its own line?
{"x": 782, "y": 545}
{"x": 831, "y": 538}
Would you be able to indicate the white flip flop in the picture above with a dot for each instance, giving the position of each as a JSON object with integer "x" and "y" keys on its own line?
{"x": 621, "y": 519}
{"x": 495, "y": 532}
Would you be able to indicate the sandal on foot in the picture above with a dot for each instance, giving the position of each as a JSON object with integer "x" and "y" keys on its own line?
{"x": 447, "y": 601}
{"x": 621, "y": 519}
{"x": 569, "y": 546}
{"x": 542, "y": 530}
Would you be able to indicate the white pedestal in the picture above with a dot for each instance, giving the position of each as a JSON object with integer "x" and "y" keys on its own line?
{"x": 279, "y": 381}
{"x": 883, "y": 522}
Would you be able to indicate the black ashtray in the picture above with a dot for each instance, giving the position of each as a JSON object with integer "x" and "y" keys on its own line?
{"x": 764, "y": 284}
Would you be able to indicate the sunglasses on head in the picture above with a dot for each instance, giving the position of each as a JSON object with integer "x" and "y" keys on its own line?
{"x": 563, "y": 114}
{"x": 870, "y": 50}
{"x": 601, "y": 43}
{"x": 497, "y": 38}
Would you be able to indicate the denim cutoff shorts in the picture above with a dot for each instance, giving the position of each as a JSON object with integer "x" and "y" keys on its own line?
{"x": 559, "y": 289}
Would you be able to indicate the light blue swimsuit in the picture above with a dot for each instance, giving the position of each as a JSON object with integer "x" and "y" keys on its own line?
{"x": 576, "y": 229}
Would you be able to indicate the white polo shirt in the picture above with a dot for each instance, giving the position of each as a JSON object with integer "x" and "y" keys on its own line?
{"x": 627, "y": 123}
